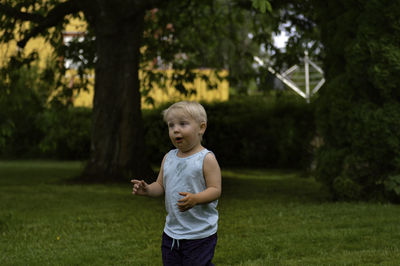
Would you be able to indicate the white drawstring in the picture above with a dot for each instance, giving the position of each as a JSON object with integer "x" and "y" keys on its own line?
{"x": 173, "y": 243}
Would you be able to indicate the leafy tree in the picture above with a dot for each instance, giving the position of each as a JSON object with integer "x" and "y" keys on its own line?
{"x": 117, "y": 149}
{"x": 121, "y": 30}
{"x": 223, "y": 34}
{"x": 359, "y": 109}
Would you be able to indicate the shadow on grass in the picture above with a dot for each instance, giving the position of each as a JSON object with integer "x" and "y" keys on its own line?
{"x": 31, "y": 172}
{"x": 281, "y": 186}
{"x": 36, "y": 172}
{"x": 278, "y": 186}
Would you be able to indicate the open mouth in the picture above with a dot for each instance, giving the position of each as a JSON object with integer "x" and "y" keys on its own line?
{"x": 178, "y": 139}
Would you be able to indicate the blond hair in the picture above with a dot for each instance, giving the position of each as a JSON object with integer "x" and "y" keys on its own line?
{"x": 192, "y": 109}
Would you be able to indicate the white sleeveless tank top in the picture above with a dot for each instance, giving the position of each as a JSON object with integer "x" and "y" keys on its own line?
{"x": 186, "y": 175}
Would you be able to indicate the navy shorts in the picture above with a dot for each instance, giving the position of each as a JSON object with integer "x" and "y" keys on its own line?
{"x": 194, "y": 252}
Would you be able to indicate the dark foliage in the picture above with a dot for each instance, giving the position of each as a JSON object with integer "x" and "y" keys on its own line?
{"x": 359, "y": 108}
{"x": 247, "y": 132}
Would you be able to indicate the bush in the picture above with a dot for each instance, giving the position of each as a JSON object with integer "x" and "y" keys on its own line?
{"x": 247, "y": 132}
{"x": 21, "y": 99}
{"x": 364, "y": 154}
{"x": 359, "y": 110}
{"x": 66, "y": 133}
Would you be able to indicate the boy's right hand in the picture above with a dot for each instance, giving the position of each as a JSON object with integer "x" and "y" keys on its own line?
{"x": 139, "y": 187}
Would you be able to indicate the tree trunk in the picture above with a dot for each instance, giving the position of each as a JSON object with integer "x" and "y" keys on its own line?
{"x": 117, "y": 150}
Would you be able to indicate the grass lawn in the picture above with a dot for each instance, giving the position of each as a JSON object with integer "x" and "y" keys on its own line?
{"x": 266, "y": 218}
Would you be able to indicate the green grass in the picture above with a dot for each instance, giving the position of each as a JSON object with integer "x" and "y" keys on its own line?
{"x": 266, "y": 218}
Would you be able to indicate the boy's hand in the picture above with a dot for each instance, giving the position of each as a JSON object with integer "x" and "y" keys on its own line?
{"x": 188, "y": 202}
{"x": 139, "y": 187}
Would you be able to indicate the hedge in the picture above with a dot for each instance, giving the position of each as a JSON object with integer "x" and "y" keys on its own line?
{"x": 247, "y": 132}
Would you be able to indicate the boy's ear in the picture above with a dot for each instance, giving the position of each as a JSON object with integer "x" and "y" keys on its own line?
{"x": 203, "y": 126}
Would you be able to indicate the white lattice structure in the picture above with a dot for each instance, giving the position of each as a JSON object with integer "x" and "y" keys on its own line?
{"x": 287, "y": 77}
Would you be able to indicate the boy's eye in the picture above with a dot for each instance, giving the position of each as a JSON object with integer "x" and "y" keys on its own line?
{"x": 170, "y": 125}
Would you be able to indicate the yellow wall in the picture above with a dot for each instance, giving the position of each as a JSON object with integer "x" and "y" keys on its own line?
{"x": 160, "y": 95}
{"x": 221, "y": 93}
{"x": 38, "y": 44}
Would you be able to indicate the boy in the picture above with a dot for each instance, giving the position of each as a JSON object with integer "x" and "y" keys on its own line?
{"x": 190, "y": 178}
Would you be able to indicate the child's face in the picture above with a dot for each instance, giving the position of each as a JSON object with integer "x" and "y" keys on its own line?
{"x": 184, "y": 132}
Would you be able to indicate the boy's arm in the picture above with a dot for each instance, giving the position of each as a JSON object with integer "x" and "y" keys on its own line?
{"x": 155, "y": 189}
{"x": 212, "y": 175}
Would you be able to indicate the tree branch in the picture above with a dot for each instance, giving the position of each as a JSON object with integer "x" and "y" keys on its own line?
{"x": 14, "y": 12}
{"x": 54, "y": 16}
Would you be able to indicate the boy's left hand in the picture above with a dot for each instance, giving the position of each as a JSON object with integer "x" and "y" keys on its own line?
{"x": 187, "y": 202}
